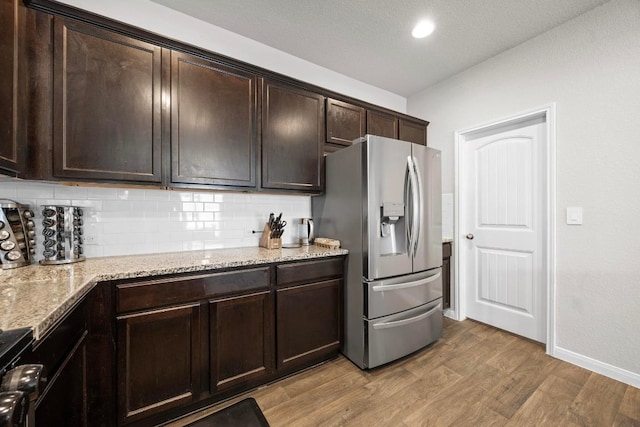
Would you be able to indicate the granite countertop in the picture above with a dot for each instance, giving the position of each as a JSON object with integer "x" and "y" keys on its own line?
{"x": 37, "y": 296}
{"x": 447, "y": 239}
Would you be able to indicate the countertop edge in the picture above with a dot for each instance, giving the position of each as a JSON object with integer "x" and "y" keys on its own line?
{"x": 43, "y": 324}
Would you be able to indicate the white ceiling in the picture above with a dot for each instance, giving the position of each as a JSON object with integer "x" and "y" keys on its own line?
{"x": 370, "y": 40}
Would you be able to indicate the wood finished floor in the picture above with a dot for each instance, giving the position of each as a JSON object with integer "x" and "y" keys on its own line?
{"x": 474, "y": 376}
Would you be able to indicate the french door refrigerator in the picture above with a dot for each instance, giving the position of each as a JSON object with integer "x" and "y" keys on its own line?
{"x": 382, "y": 200}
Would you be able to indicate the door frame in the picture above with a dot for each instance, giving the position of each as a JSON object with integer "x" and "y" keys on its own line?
{"x": 549, "y": 276}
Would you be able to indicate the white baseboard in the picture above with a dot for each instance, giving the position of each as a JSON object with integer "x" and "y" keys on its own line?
{"x": 602, "y": 368}
{"x": 451, "y": 314}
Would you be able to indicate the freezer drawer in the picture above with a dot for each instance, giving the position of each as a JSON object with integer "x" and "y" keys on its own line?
{"x": 385, "y": 297}
{"x": 392, "y": 337}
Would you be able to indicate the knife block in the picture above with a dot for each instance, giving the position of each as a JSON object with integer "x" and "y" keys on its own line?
{"x": 267, "y": 242}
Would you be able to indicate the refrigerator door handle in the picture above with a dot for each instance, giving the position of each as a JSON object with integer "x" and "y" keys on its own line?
{"x": 421, "y": 282}
{"x": 418, "y": 205}
{"x": 414, "y": 206}
{"x": 408, "y": 196}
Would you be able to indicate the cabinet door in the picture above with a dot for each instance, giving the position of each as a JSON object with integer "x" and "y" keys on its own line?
{"x": 345, "y": 122}
{"x": 308, "y": 323}
{"x": 241, "y": 340}
{"x": 107, "y": 105}
{"x": 64, "y": 402}
{"x": 213, "y": 123}
{"x": 9, "y": 86}
{"x": 413, "y": 132}
{"x": 158, "y": 356}
{"x": 292, "y": 138}
{"x": 382, "y": 124}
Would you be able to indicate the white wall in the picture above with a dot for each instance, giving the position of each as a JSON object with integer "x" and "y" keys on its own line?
{"x": 138, "y": 221}
{"x": 590, "y": 67}
{"x": 178, "y": 26}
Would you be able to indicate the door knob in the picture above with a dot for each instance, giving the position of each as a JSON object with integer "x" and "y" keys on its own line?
{"x": 469, "y": 236}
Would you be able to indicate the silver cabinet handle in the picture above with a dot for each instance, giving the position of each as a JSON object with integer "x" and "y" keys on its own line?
{"x": 469, "y": 236}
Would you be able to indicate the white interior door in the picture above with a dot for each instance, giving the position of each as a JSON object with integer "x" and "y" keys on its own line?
{"x": 502, "y": 227}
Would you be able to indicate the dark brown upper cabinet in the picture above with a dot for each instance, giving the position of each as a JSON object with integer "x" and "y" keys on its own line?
{"x": 107, "y": 105}
{"x": 382, "y": 124}
{"x": 292, "y": 137}
{"x": 97, "y": 100}
{"x": 345, "y": 122}
{"x": 214, "y": 132}
{"x": 11, "y": 12}
{"x": 411, "y": 131}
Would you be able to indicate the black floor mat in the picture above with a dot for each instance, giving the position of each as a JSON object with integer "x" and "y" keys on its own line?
{"x": 245, "y": 413}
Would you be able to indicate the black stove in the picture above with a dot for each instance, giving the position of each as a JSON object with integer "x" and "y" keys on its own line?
{"x": 13, "y": 344}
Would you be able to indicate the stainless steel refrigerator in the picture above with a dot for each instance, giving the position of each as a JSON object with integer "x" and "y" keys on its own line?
{"x": 383, "y": 202}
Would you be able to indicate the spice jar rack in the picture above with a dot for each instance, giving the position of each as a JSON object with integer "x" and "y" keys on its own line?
{"x": 17, "y": 234}
{"x": 62, "y": 228}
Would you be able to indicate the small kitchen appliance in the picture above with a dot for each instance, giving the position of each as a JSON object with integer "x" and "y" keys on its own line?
{"x": 63, "y": 234}
{"x": 17, "y": 234}
{"x": 305, "y": 231}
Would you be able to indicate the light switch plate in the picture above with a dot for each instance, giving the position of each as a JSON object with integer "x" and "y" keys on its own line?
{"x": 574, "y": 215}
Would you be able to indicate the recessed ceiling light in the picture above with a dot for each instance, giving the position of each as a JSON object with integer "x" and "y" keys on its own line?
{"x": 423, "y": 29}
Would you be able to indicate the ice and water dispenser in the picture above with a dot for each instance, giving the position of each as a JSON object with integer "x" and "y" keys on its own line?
{"x": 393, "y": 230}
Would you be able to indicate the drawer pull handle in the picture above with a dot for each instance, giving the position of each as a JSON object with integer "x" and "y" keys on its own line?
{"x": 382, "y": 288}
{"x": 403, "y": 322}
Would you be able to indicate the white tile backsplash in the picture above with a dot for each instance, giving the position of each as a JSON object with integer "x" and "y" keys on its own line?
{"x": 138, "y": 221}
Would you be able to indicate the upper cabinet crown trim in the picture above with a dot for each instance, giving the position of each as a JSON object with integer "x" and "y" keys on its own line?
{"x": 57, "y": 8}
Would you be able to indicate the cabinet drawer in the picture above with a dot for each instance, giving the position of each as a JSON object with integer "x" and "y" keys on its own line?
{"x": 389, "y": 296}
{"x": 391, "y": 337}
{"x": 157, "y": 293}
{"x": 306, "y": 272}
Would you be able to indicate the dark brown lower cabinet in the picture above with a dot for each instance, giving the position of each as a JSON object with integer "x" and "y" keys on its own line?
{"x": 309, "y": 312}
{"x": 242, "y": 341}
{"x": 64, "y": 402}
{"x": 446, "y": 275}
{"x": 184, "y": 342}
{"x": 158, "y": 360}
{"x": 63, "y": 352}
{"x": 309, "y": 326}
